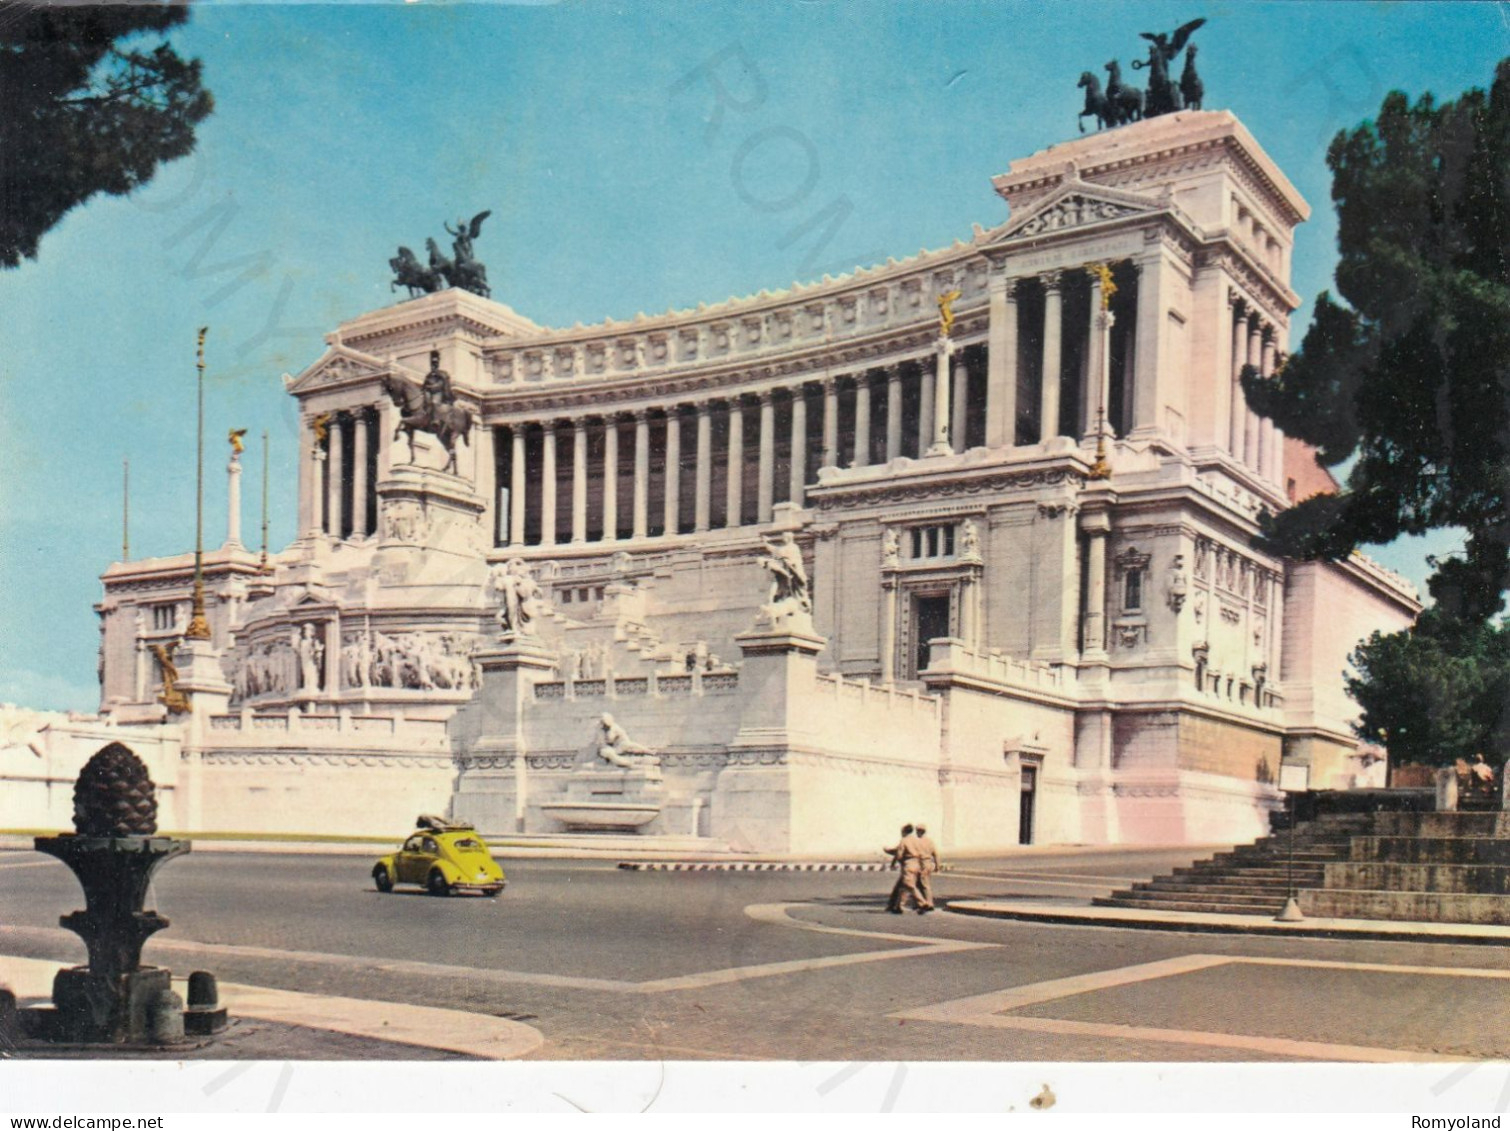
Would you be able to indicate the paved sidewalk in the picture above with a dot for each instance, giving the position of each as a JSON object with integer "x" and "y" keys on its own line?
{"x": 1085, "y": 915}
{"x": 273, "y": 1024}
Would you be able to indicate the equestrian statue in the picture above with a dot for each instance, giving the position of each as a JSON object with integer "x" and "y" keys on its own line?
{"x": 431, "y": 408}
{"x": 1119, "y": 103}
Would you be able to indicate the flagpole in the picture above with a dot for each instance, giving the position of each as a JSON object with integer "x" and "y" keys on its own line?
{"x": 199, "y": 627}
{"x": 263, "y": 565}
{"x": 126, "y": 510}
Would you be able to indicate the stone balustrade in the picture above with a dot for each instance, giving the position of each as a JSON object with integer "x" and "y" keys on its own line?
{"x": 949, "y": 656}
{"x": 653, "y": 685}
{"x": 316, "y": 729}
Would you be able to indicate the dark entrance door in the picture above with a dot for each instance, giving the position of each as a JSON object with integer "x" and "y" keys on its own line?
{"x": 1025, "y": 803}
{"x": 933, "y": 620}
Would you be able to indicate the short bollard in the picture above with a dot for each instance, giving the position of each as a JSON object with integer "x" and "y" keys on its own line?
{"x": 205, "y": 1013}
{"x": 167, "y": 1018}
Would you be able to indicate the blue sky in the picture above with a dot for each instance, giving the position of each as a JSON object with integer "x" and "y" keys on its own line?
{"x": 342, "y": 131}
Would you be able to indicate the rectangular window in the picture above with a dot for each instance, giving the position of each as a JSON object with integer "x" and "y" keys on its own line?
{"x": 932, "y": 542}
{"x": 1132, "y": 598}
{"x": 163, "y": 617}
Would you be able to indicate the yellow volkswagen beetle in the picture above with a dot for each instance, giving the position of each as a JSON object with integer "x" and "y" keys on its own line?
{"x": 441, "y": 856}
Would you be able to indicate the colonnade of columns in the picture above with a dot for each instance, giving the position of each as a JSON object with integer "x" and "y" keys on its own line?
{"x": 341, "y": 481}
{"x": 1252, "y": 439}
{"x": 799, "y": 425}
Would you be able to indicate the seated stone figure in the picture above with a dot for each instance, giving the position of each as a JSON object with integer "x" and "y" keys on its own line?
{"x": 617, "y": 749}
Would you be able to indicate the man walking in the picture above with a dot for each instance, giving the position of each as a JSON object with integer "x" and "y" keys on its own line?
{"x": 894, "y": 904}
{"x": 928, "y": 863}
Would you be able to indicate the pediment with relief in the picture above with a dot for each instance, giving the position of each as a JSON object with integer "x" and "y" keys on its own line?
{"x": 339, "y": 365}
{"x": 1074, "y": 204}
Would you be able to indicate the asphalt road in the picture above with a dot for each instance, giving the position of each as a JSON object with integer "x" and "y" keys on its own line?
{"x": 798, "y": 966}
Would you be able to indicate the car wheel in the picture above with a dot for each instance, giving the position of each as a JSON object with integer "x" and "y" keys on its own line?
{"x": 381, "y": 879}
{"x": 492, "y": 893}
{"x": 438, "y": 885}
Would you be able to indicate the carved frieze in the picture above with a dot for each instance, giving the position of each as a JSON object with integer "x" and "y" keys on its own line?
{"x": 1073, "y": 211}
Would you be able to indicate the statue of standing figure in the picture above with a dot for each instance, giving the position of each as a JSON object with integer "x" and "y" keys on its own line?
{"x": 516, "y": 590}
{"x": 309, "y": 650}
{"x": 789, "y": 585}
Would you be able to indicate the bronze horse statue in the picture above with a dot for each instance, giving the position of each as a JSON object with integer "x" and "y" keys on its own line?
{"x": 448, "y": 423}
{"x": 1095, "y": 103}
{"x": 409, "y": 272}
{"x": 1164, "y": 97}
{"x": 1124, "y": 103}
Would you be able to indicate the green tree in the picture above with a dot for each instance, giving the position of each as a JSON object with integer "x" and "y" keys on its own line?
{"x": 1435, "y": 693}
{"x": 1410, "y": 374}
{"x": 93, "y": 99}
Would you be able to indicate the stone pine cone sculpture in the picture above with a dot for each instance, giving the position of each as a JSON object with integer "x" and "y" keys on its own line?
{"x": 114, "y": 796}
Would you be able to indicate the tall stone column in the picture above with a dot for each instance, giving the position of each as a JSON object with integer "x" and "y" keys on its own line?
{"x": 893, "y": 412}
{"x": 941, "y": 392}
{"x": 862, "y": 418}
{"x": 1268, "y": 461}
{"x": 1151, "y": 366}
{"x": 671, "y": 513}
{"x": 233, "y": 501}
{"x": 1239, "y": 402}
{"x": 889, "y": 632}
{"x": 610, "y": 478}
{"x": 703, "y": 504}
{"x": 1053, "y": 324}
{"x": 1096, "y": 400}
{"x": 927, "y": 404}
{"x": 309, "y": 480}
{"x": 337, "y": 462}
{"x": 641, "y": 519}
{"x": 1250, "y": 419}
{"x": 798, "y": 481}
{"x": 548, "y": 485}
{"x": 579, "y": 481}
{"x": 767, "y": 486}
{"x": 359, "y": 484}
{"x": 1093, "y": 642}
{"x": 1001, "y": 359}
{"x": 959, "y": 415}
{"x": 830, "y": 422}
{"x": 516, "y": 485}
{"x": 734, "y": 485}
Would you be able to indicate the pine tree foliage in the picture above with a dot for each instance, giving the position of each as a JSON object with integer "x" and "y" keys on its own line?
{"x": 92, "y": 99}
{"x": 1408, "y": 368}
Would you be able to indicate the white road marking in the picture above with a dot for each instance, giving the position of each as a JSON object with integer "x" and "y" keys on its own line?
{"x": 1112, "y": 882}
{"x": 1045, "y": 877}
{"x": 992, "y": 1010}
{"x": 31, "y": 864}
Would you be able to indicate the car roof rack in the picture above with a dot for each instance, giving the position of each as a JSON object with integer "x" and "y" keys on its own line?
{"x": 441, "y": 824}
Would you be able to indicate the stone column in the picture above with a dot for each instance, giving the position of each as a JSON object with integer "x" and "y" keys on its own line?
{"x": 959, "y": 416}
{"x": 309, "y": 480}
{"x": 641, "y": 518}
{"x": 1093, "y": 640}
{"x": 1268, "y": 456}
{"x": 1148, "y": 393}
{"x": 927, "y": 404}
{"x": 1239, "y": 402}
{"x": 1250, "y": 421}
{"x": 830, "y": 422}
{"x": 889, "y": 633}
{"x": 359, "y": 483}
{"x": 481, "y": 442}
{"x": 610, "y": 478}
{"x": 734, "y": 486}
{"x": 862, "y": 419}
{"x": 671, "y": 514}
{"x": 798, "y": 480}
{"x": 579, "y": 481}
{"x": 1001, "y": 360}
{"x": 767, "y": 486}
{"x": 233, "y": 501}
{"x": 516, "y": 486}
{"x": 548, "y": 485}
{"x": 704, "y": 500}
{"x": 941, "y": 394}
{"x": 893, "y": 412}
{"x": 337, "y": 454}
{"x": 1095, "y": 367}
{"x": 1053, "y": 319}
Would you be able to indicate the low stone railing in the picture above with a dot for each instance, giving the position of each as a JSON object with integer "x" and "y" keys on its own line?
{"x": 340, "y": 727}
{"x": 948, "y": 655}
{"x": 881, "y": 696}
{"x": 653, "y": 685}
